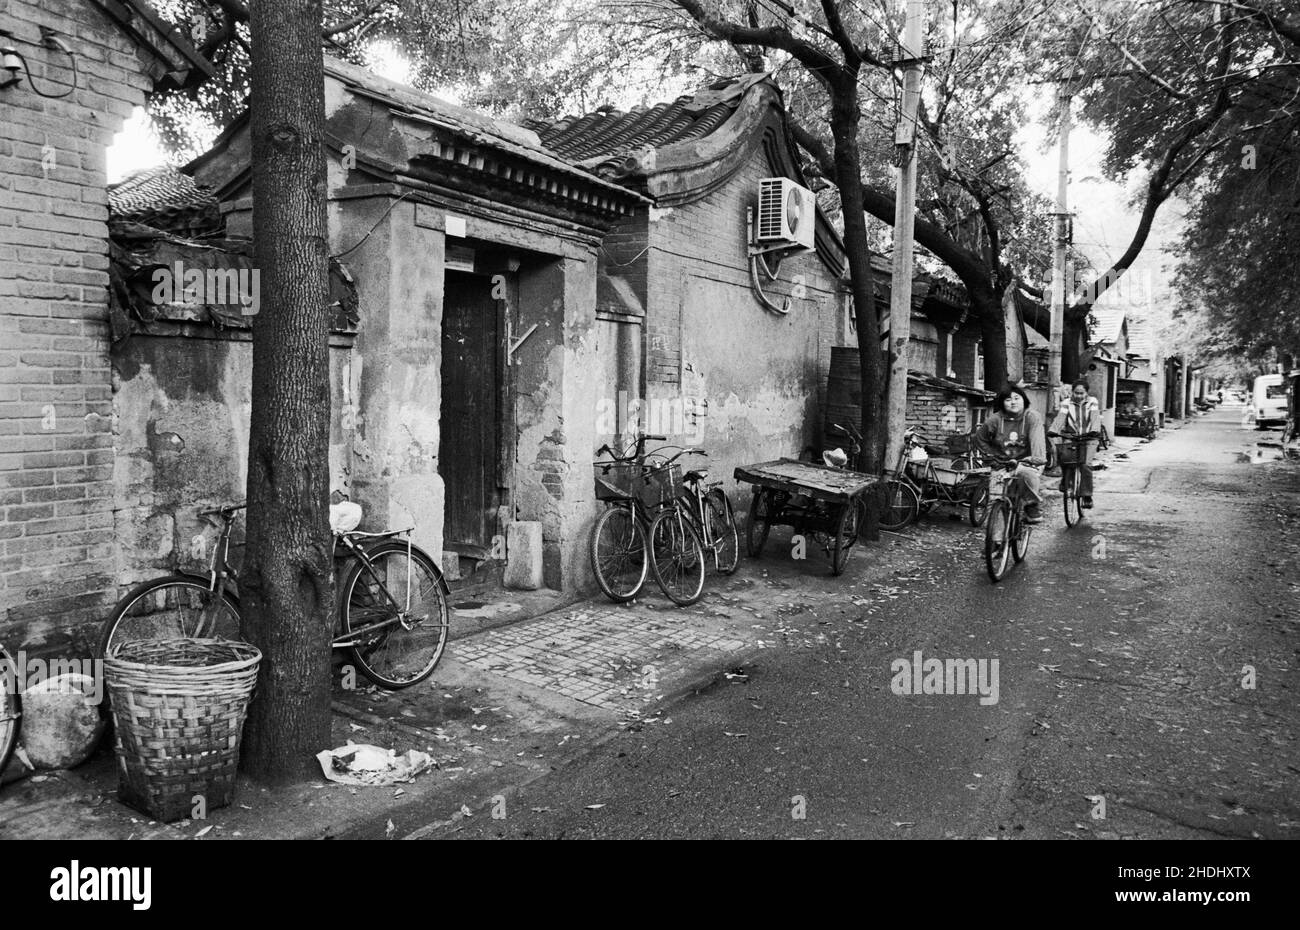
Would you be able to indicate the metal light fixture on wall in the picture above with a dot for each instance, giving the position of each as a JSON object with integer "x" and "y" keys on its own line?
{"x": 13, "y": 64}
{"x": 10, "y": 62}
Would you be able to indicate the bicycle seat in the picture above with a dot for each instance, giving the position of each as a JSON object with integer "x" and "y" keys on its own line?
{"x": 696, "y": 475}
{"x": 345, "y": 516}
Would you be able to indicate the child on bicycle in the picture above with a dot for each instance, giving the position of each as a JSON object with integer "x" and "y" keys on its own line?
{"x": 1077, "y": 417}
{"x": 1014, "y": 433}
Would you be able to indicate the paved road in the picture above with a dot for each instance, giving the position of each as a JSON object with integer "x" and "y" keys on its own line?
{"x": 1124, "y": 647}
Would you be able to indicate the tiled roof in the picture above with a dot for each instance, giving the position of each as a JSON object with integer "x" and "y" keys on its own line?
{"x": 1140, "y": 342}
{"x": 480, "y": 130}
{"x": 607, "y": 136}
{"x": 167, "y": 199}
{"x": 1110, "y": 322}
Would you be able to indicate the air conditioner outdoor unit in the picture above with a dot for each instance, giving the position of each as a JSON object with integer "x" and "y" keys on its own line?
{"x": 787, "y": 213}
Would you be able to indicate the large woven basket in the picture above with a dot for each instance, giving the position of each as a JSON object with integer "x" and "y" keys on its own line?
{"x": 178, "y": 714}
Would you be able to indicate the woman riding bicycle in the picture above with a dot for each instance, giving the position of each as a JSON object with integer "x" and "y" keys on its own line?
{"x": 1079, "y": 417}
{"x": 1014, "y": 434}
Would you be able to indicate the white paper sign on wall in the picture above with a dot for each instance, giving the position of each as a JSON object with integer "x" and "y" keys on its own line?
{"x": 456, "y": 226}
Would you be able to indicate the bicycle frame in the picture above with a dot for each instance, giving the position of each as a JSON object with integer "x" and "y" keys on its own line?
{"x": 220, "y": 570}
{"x": 360, "y": 554}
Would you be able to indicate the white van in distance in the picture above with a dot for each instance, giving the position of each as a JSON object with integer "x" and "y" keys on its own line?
{"x": 1269, "y": 400}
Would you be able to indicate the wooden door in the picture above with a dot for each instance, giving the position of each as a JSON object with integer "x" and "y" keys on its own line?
{"x": 470, "y": 421}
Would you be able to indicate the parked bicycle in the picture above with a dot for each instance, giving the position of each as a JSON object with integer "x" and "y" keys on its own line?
{"x": 696, "y": 521}
{"x": 918, "y": 484}
{"x": 1006, "y": 532}
{"x": 1071, "y": 452}
{"x": 630, "y": 540}
{"x": 10, "y": 707}
{"x": 391, "y": 606}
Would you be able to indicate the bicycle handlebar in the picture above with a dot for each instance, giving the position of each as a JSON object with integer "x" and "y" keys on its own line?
{"x": 228, "y": 510}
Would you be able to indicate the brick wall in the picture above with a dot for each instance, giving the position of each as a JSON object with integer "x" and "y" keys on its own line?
{"x": 57, "y": 564}
{"x": 936, "y": 412}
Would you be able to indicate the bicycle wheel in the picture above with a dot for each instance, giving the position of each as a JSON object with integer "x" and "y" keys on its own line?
{"x": 1070, "y": 496}
{"x": 1020, "y": 533}
{"x": 901, "y": 505}
{"x": 677, "y": 556}
{"x": 757, "y": 523}
{"x": 997, "y": 547}
{"x": 722, "y": 532}
{"x": 978, "y": 508}
{"x": 846, "y": 534}
{"x": 619, "y": 558}
{"x": 396, "y": 645}
{"x": 10, "y": 708}
{"x": 172, "y": 607}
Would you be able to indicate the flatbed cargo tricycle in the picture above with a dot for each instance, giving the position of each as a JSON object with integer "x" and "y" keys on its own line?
{"x": 820, "y": 502}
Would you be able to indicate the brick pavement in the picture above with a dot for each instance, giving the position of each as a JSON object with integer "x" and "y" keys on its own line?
{"x": 610, "y": 657}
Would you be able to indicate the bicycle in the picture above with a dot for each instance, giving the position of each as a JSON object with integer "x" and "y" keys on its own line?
{"x": 695, "y": 521}
{"x": 391, "y": 604}
{"x": 1006, "y": 532}
{"x": 637, "y": 487}
{"x": 11, "y": 709}
{"x": 1072, "y": 452}
{"x": 620, "y": 558}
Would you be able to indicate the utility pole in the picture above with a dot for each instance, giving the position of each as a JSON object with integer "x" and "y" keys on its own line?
{"x": 1060, "y": 240}
{"x": 900, "y": 293}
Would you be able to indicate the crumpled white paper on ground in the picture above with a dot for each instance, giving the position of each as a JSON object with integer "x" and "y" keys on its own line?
{"x": 371, "y": 766}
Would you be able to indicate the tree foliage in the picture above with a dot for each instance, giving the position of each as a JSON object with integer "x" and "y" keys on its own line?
{"x": 1182, "y": 87}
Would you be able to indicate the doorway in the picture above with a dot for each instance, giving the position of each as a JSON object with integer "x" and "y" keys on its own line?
{"x": 469, "y": 458}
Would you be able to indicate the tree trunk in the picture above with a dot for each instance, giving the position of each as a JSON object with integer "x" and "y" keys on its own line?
{"x": 286, "y": 585}
{"x": 1074, "y": 343}
{"x": 848, "y": 177}
{"x": 992, "y": 315}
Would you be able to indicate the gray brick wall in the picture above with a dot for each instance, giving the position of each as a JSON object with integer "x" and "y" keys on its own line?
{"x": 57, "y": 562}
{"x": 936, "y": 412}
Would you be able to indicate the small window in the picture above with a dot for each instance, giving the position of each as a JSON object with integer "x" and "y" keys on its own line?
{"x": 979, "y": 370}
{"x": 1275, "y": 390}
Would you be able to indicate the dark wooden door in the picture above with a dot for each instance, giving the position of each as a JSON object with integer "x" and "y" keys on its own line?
{"x": 469, "y": 452}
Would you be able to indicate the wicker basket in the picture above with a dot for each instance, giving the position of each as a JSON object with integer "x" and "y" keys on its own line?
{"x": 652, "y": 484}
{"x": 178, "y": 714}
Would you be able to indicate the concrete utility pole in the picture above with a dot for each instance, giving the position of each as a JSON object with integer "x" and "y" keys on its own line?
{"x": 900, "y": 299}
{"x": 1060, "y": 240}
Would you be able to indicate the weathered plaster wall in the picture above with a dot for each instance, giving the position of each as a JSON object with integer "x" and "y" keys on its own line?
{"x": 562, "y": 370}
{"x": 723, "y": 372}
{"x": 181, "y": 408}
{"x": 395, "y": 389}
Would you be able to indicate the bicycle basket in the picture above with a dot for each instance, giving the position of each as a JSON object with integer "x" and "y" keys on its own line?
{"x": 1067, "y": 453}
{"x": 622, "y": 481}
{"x": 661, "y": 485}
{"x": 615, "y": 480}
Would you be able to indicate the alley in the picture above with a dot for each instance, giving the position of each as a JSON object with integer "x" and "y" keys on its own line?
{"x": 1147, "y": 682}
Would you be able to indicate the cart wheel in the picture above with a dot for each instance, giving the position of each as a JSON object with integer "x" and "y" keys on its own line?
{"x": 757, "y": 522}
{"x": 846, "y": 534}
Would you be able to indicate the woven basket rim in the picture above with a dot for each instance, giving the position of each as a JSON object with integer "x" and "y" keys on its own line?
{"x": 251, "y": 656}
